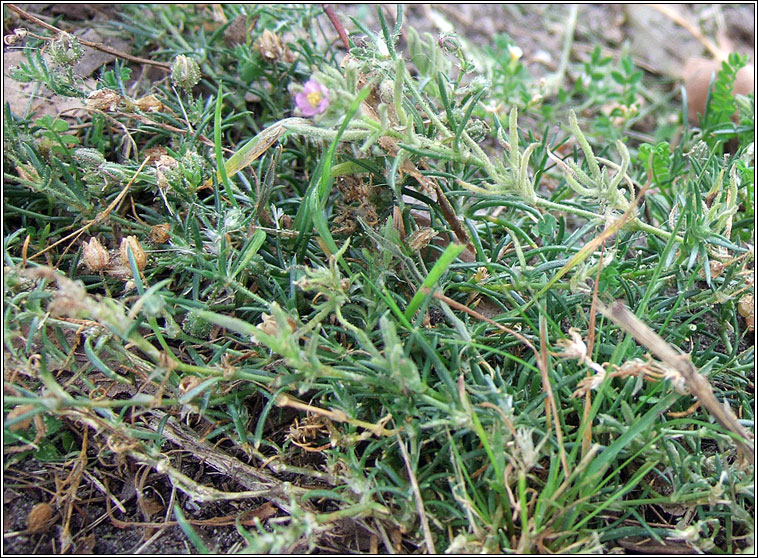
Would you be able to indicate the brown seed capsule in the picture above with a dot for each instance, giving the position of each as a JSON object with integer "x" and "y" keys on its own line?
{"x": 160, "y": 233}
{"x": 17, "y": 412}
{"x": 140, "y": 258}
{"x": 746, "y": 309}
{"x": 39, "y": 518}
{"x": 96, "y": 257}
{"x": 104, "y": 99}
{"x": 269, "y": 45}
{"x": 149, "y": 103}
{"x": 421, "y": 238}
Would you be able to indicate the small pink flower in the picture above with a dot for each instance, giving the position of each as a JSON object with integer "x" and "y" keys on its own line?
{"x": 313, "y": 99}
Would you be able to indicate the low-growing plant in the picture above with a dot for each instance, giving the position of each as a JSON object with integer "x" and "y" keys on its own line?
{"x": 374, "y": 278}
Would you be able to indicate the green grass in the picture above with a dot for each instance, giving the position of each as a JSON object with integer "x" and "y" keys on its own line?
{"x": 284, "y": 313}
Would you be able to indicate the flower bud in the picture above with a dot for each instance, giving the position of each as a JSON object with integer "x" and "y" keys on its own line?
{"x": 185, "y": 72}
{"x": 96, "y": 257}
{"x": 477, "y": 129}
{"x": 196, "y": 326}
{"x": 449, "y": 42}
{"x": 140, "y": 258}
{"x": 88, "y": 157}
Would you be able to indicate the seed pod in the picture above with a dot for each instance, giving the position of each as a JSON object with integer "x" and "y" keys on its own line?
{"x": 420, "y": 239}
{"x": 160, "y": 233}
{"x": 149, "y": 103}
{"x": 96, "y": 257}
{"x": 140, "y": 258}
{"x": 103, "y": 99}
{"x": 88, "y": 157}
{"x": 39, "y": 518}
{"x": 269, "y": 45}
{"x": 185, "y": 72}
{"x": 746, "y": 309}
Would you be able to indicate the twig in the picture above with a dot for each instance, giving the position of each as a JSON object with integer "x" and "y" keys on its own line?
{"x": 695, "y": 381}
{"x": 417, "y": 494}
{"x": 97, "y": 46}
{"x": 590, "y": 247}
{"x": 587, "y": 437}
{"x": 550, "y": 404}
{"x": 336, "y": 415}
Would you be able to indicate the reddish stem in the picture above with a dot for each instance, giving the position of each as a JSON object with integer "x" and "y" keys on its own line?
{"x": 337, "y": 25}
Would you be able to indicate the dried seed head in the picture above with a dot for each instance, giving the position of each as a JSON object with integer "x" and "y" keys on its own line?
{"x": 268, "y": 324}
{"x": 154, "y": 153}
{"x": 269, "y": 45}
{"x": 188, "y": 383}
{"x": 103, "y": 99}
{"x": 717, "y": 268}
{"x": 185, "y": 72}
{"x": 96, "y": 257}
{"x": 167, "y": 170}
{"x": 140, "y": 258}
{"x": 149, "y": 103}
{"x": 574, "y": 349}
{"x": 17, "y": 412}
{"x": 746, "y": 308}
{"x": 17, "y": 35}
{"x": 421, "y": 238}
{"x": 39, "y": 518}
{"x": 160, "y": 233}
{"x": 481, "y": 274}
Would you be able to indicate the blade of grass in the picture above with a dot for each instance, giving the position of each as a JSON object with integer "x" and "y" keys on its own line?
{"x": 192, "y": 535}
{"x": 446, "y": 259}
{"x": 219, "y": 152}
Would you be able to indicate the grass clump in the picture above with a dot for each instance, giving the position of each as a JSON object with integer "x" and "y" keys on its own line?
{"x": 370, "y": 285}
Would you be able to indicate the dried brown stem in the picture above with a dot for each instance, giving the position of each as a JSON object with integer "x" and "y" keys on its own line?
{"x": 97, "y": 46}
{"x": 337, "y": 25}
{"x": 695, "y": 381}
{"x": 417, "y": 494}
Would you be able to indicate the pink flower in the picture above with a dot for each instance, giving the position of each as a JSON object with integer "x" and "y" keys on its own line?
{"x": 313, "y": 99}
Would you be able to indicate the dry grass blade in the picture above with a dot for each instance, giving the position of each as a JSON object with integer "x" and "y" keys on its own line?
{"x": 417, "y": 494}
{"x": 695, "y": 381}
{"x": 100, "y": 216}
